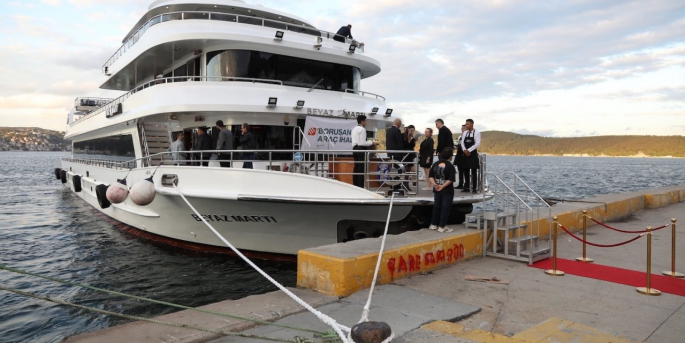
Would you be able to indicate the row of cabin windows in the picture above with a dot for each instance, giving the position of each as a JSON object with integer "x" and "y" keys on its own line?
{"x": 292, "y": 71}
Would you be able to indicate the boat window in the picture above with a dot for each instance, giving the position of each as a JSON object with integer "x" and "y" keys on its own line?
{"x": 113, "y": 148}
{"x": 293, "y": 71}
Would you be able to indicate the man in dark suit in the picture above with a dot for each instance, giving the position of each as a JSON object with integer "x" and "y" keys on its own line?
{"x": 344, "y": 32}
{"x": 204, "y": 143}
{"x": 225, "y": 142}
{"x": 394, "y": 141}
{"x": 444, "y": 137}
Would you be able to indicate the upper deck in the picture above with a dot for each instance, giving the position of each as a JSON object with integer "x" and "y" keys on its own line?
{"x": 175, "y": 31}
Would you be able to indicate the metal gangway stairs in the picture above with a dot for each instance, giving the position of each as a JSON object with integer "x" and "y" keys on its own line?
{"x": 512, "y": 220}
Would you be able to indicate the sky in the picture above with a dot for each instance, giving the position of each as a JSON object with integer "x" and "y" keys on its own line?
{"x": 550, "y": 68}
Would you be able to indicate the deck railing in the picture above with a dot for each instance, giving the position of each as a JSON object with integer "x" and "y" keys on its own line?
{"x": 381, "y": 173}
{"x": 174, "y": 79}
{"x": 236, "y": 18}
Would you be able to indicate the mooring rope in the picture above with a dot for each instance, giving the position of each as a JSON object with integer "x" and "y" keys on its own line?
{"x": 76, "y": 284}
{"x": 365, "y": 312}
{"x": 321, "y": 316}
{"x": 626, "y": 231}
{"x": 600, "y": 245}
{"x": 155, "y": 321}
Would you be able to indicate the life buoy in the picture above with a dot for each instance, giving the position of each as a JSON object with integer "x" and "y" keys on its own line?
{"x": 76, "y": 180}
{"x": 58, "y": 172}
{"x": 63, "y": 175}
{"x": 101, "y": 193}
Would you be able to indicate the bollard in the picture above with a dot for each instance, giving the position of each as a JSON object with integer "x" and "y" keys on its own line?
{"x": 554, "y": 271}
{"x": 584, "y": 258}
{"x": 370, "y": 332}
{"x": 673, "y": 273}
{"x": 649, "y": 290}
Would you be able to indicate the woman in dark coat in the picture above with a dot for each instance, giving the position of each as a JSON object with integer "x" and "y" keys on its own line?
{"x": 426, "y": 152}
{"x": 409, "y": 145}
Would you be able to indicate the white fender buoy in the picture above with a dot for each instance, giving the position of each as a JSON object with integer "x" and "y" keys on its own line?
{"x": 143, "y": 193}
{"x": 117, "y": 193}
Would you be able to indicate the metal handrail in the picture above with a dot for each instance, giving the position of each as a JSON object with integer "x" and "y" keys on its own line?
{"x": 170, "y": 80}
{"x": 323, "y": 162}
{"x": 160, "y": 18}
{"x": 350, "y": 90}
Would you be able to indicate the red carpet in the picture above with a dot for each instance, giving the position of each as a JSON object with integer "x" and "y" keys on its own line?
{"x": 616, "y": 275}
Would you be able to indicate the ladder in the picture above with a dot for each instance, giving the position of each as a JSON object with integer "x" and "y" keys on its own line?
{"x": 512, "y": 220}
{"x": 155, "y": 138}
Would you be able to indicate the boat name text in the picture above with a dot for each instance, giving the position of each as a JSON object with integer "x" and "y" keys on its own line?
{"x": 235, "y": 219}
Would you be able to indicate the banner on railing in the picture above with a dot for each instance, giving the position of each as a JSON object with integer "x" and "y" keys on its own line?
{"x": 328, "y": 133}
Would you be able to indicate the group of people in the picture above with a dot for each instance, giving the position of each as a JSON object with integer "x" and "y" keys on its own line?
{"x": 443, "y": 174}
{"x": 460, "y": 168}
{"x": 224, "y": 141}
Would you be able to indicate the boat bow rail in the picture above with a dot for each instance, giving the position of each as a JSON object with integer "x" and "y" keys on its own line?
{"x": 236, "y": 18}
{"x": 381, "y": 175}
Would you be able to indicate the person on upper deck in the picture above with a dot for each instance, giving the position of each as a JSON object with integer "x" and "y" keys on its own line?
{"x": 224, "y": 142}
{"x": 344, "y": 32}
{"x": 248, "y": 142}
{"x": 203, "y": 143}
{"x": 444, "y": 136}
{"x": 359, "y": 142}
{"x": 470, "y": 143}
{"x": 176, "y": 149}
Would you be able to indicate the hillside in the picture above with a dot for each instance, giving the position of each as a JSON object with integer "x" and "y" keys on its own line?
{"x": 32, "y": 139}
{"x": 508, "y": 143}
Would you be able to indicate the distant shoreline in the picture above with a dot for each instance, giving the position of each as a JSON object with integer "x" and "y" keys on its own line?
{"x": 578, "y": 155}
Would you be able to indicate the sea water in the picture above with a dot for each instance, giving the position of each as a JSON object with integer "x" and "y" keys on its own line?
{"x": 46, "y": 229}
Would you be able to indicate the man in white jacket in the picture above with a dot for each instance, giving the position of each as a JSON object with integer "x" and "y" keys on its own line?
{"x": 176, "y": 149}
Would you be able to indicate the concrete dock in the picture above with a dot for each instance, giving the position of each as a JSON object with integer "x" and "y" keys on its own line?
{"x": 434, "y": 303}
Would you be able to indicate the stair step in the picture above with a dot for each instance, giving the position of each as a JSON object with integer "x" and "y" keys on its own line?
{"x": 523, "y": 239}
{"x": 539, "y": 253}
{"x": 514, "y": 227}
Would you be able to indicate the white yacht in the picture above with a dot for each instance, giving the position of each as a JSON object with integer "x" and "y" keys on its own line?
{"x": 187, "y": 64}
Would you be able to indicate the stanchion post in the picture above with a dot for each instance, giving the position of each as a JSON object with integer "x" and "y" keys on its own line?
{"x": 649, "y": 290}
{"x": 584, "y": 258}
{"x": 554, "y": 271}
{"x": 672, "y": 272}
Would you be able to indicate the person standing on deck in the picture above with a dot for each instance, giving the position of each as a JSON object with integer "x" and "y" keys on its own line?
{"x": 360, "y": 143}
{"x": 394, "y": 141}
{"x": 224, "y": 142}
{"x": 204, "y": 144}
{"x": 177, "y": 148}
{"x": 444, "y": 136}
{"x": 426, "y": 152}
{"x": 442, "y": 176}
{"x": 470, "y": 143}
{"x": 459, "y": 160}
{"x": 248, "y": 142}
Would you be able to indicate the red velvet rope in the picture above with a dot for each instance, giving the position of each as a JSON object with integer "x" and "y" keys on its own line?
{"x": 625, "y": 231}
{"x": 600, "y": 245}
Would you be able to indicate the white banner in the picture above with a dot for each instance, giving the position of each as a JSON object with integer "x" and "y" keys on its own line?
{"x": 328, "y": 133}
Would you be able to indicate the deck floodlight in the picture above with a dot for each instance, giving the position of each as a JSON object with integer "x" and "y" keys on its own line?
{"x": 300, "y": 104}
{"x": 279, "y": 35}
{"x": 319, "y": 43}
{"x": 388, "y": 113}
{"x": 374, "y": 111}
{"x": 272, "y": 102}
{"x": 352, "y": 49}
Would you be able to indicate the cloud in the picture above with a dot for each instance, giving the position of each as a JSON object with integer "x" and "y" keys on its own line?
{"x": 52, "y": 2}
